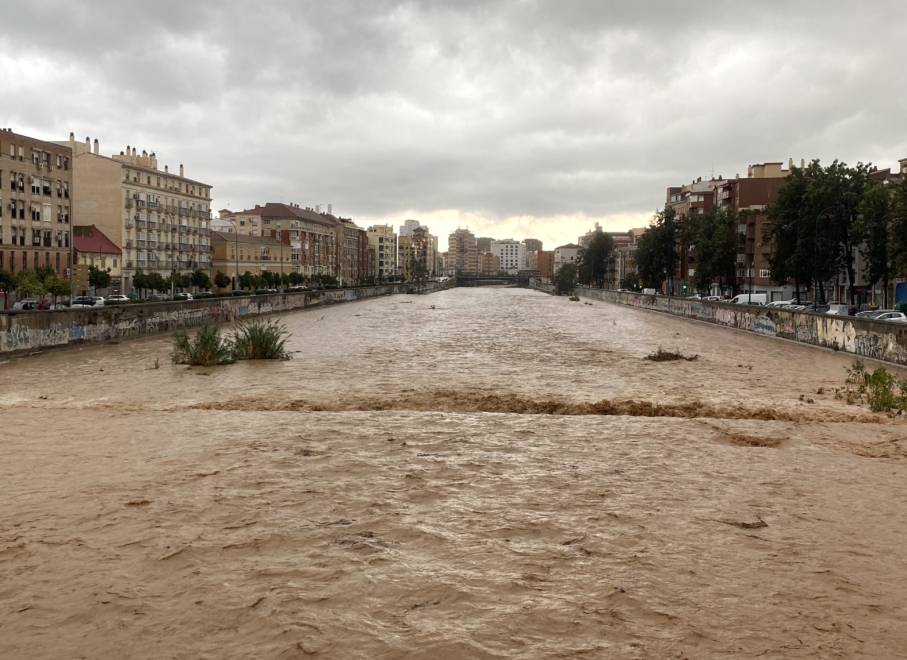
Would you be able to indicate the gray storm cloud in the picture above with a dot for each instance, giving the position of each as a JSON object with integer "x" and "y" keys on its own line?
{"x": 493, "y": 109}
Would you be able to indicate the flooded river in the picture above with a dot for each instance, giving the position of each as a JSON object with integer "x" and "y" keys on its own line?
{"x": 479, "y": 473}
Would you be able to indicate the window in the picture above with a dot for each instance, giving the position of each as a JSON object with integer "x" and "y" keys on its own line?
{"x": 65, "y": 190}
{"x": 36, "y": 239}
{"x": 765, "y": 273}
{"x": 25, "y": 261}
{"x": 35, "y": 214}
{"x": 35, "y": 185}
{"x": 48, "y": 236}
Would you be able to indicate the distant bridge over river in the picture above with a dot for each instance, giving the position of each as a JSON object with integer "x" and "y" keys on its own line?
{"x": 520, "y": 279}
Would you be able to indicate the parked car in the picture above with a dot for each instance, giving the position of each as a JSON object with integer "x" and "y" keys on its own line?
{"x": 780, "y": 303}
{"x": 838, "y": 309}
{"x": 157, "y": 297}
{"x": 116, "y": 297}
{"x": 297, "y": 289}
{"x": 872, "y": 313}
{"x": 26, "y": 304}
{"x": 620, "y": 290}
{"x": 749, "y": 299}
{"x": 892, "y": 316}
{"x": 695, "y": 296}
{"x": 83, "y": 302}
{"x": 183, "y": 296}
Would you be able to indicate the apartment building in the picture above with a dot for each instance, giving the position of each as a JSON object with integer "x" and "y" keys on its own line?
{"x": 483, "y": 244}
{"x": 352, "y": 242}
{"x": 462, "y": 252}
{"x": 532, "y": 245}
{"x": 158, "y": 218}
{"x": 565, "y": 254}
{"x": 36, "y": 186}
{"x": 489, "y": 264}
{"x": 235, "y": 254}
{"x": 406, "y": 229}
{"x": 405, "y": 255}
{"x": 313, "y": 235}
{"x": 749, "y": 198}
{"x": 544, "y": 262}
{"x": 511, "y": 253}
{"x": 383, "y": 240}
{"x": 626, "y": 244}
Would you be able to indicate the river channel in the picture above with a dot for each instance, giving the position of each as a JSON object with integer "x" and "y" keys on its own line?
{"x": 477, "y": 473}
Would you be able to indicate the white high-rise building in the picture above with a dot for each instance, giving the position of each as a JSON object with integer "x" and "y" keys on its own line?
{"x": 511, "y": 253}
{"x": 406, "y": 229}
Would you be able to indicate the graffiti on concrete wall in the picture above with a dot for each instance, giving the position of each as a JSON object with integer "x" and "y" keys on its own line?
{"x": 881, "y": 340}
{"x": 31, "y": 331}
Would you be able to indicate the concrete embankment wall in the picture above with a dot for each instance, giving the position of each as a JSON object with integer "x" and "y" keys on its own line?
{"x": 27, "y": 332}
{"x": 880, "y": 340}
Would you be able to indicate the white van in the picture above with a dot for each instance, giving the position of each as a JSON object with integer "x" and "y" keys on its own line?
{"x": 749, "y": 299}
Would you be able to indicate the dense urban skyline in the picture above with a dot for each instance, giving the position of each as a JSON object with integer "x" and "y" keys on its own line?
{"x": 515, "y": 119}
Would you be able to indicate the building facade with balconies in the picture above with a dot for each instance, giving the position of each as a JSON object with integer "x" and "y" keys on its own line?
{"x": 383, "y": 240}
{"x": 159, "y": 219}
{"x": 462, "y": 252}
{"x": 35, "y": 197}
{"x": 749, "y": 198}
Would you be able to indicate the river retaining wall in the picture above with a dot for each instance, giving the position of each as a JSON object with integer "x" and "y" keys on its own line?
{"x": 29, "y": 332}
{"x": 879, "y": 340}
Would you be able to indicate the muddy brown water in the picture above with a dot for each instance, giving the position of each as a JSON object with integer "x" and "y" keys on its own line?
{"x": 501, "y": 476}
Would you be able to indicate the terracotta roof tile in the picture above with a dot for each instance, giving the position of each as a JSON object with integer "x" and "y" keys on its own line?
{"x": 93, "y": 240}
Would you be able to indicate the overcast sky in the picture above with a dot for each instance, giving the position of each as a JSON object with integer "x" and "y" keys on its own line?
{"x": 517, "y": 119}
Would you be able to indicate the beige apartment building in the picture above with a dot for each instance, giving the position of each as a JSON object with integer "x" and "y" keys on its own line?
{"x": 35, "y": 197}
{"x": 383, "y": 240}
{"x": 234, "y": 254}
{"x": 158, "y": 218}
{"x": 462, "y": 252}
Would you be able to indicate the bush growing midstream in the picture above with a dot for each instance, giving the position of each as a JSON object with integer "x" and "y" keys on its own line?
{"x": 206, "y": 349}
{"x": 260, "y": 340}
{"x": 880, "y": 389}
{"x": 254, "y": 340}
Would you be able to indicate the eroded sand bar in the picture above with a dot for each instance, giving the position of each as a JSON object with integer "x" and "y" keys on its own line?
{"x": 502, "y": 476}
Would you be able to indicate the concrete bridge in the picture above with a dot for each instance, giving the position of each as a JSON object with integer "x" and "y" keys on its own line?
{"x": 486, "y": 280}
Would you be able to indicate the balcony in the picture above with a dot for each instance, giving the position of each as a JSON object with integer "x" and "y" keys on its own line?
{"x": 183, "y": 229}
{"x": 129, "y": 243}
{"x": 141, "y": 224}
{"x": 152, "y": 245}
{"x": 140, "y": 243}
{"x": 128, "y": 203}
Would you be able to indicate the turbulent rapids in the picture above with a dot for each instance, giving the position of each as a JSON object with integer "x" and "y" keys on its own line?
{"x": 479, "y": 473}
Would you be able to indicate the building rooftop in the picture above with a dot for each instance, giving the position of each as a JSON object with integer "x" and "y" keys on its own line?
{"x": 91, "y": 239}
{"x": 286, "y": 211}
